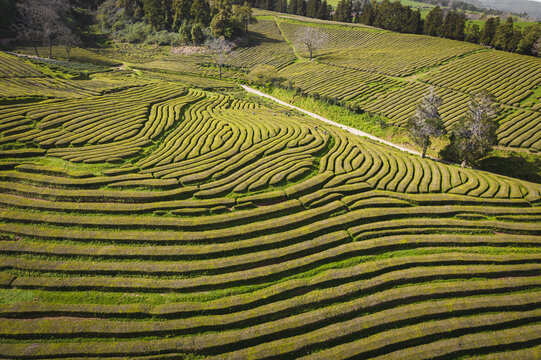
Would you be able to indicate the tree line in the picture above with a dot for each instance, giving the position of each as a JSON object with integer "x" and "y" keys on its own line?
{"x": 462, "y": 5}
{"x": 192, "y": 20}
{"x": 445, "y": 23}
{"x": 450, "y": 24}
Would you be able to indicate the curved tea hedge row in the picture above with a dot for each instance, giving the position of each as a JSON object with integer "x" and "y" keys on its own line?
{"x": 231, "y": 230}
{"x": 264, "y": 45}
{"x": 509, "y": 77}
{"x": 11, "y": 66}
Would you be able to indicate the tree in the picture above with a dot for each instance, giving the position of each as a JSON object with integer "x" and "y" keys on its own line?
{"x": 243, "y": 15}
{"x": 8, "y": 14}
{"x": 200, "y": 12}
{"x": 132, "y": 8}
{"x": 223, "y": 23}
{"x": 185, "y": 33}
{"x": 473, "y": 34}
{"x": 301, "y": 8}
{"x": 324, "y": 11}
{"x": 473, "y": 136}
{"x": 281, "y": 6}
{"x": 292, "y": 7}
{"x": 68, "y": 39}
{"x": 311, "y": 38}
{"x": 219, "y": 49}
{"x": 369, "y": 13}
{"x": 312, "y": 7}
{"x": 181, "y": 12}
{"x": 197, "y": 34}
{"x": 434, "y": 22}
{"x": 507, "y": 36}
{"x": 41, "y": 22}
{"x": 343, "y": 11}
{"x": 536, "y": 49}
{"x": 426, "y": 122}
{"x": 531, "y": 34}
{"x": 454, "y": 25}
{"x": 487, "y": 35}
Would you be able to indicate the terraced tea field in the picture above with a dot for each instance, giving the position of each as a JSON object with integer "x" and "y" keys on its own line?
{"x": 387, "y": 74}
{"x": 19, "y": 78}
{"x": 163, "y": 221}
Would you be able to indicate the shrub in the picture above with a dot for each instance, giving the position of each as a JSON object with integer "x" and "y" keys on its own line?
{"x": 164, "y": 38}
{"x": 136, "y": 33}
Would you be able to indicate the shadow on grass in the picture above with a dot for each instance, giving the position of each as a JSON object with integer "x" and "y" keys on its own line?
{"x": 521, "y": 167}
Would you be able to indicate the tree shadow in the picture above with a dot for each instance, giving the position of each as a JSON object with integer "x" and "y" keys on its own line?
{"x": 528, "y": 169}
{"x": 254, "y": 39}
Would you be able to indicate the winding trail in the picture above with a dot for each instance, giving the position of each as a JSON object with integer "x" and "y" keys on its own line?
{"x": 319, "y": 117}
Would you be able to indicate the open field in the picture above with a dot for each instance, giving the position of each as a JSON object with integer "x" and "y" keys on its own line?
{"x": 164, "y": 221}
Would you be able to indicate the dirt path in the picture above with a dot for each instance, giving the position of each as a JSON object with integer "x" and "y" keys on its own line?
{"x": 343, "y": 127}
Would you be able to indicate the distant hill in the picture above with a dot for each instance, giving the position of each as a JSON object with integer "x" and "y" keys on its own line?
{"x": 532, "y": 8}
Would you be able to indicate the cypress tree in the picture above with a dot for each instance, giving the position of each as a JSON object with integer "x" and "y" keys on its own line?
{"x": 200, "y": 12}
{"x": 369, "y": 13}
{"x": 301, "y": 7}
{"x": 434, "y": 22}
{"x": 312, "y": 7}
{"x": 281, "y": 6}
{"x": 324, "y": 11}
{"x": 292, "y": 7}
{"x": 487, "y": 35}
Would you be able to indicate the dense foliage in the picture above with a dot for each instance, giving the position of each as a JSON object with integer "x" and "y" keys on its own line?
{"x": 185, "y": 21}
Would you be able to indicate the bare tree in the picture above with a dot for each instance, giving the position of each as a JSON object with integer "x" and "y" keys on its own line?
{"x": 68, "y": 39}
{"x": 311, "y": 38}
{"x": 426, "y": 122}
{"x": 219, "y": 49}
{"x": 30, "y": 26}
{"x": 41, "y": 21}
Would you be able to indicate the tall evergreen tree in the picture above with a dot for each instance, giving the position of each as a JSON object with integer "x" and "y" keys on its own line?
{"x": 434, "y": 22}
{"x": 154, "y": 13}
{"x": 312, "y": 7}
{"x": 301, "y": 7}
{"x": 292, "y": 7}
{"x": 531, "y": 34}
{"x": 473, "y": 34}
{"x": 281, "y": 6}
{"x": 454, "y": 25}
{"x": 324, "y": 11}
{"x": 449, "y": 24}
{"x": 415, "y": 23}
{"x": 487, "y": 34}
{"x": 459, "y": 32}
{"x": 133, "y": 9}
{"x": 507, "y": 36}
{"x": 181, "y": 12}
{"x": 369, "y": 13}
{"x": 383, "y": 15}
{"x": 343, "y": 11}
{"x": 200, "y": 12}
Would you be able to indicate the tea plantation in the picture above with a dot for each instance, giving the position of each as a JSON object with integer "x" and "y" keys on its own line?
{"x": 151, "y": 218}
{"x": 384, "y": 73}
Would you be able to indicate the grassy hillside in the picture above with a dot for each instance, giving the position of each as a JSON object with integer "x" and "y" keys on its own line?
{"x": 164, "y": 221}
